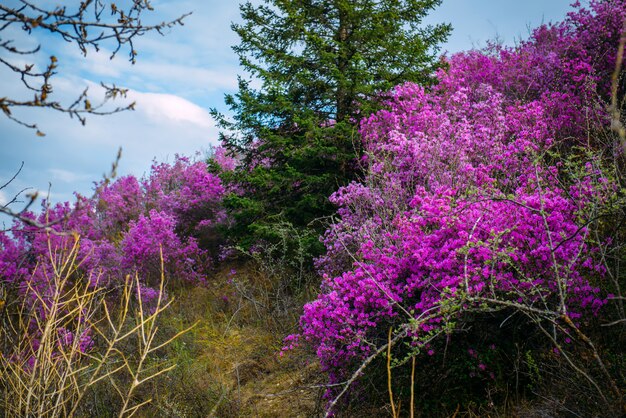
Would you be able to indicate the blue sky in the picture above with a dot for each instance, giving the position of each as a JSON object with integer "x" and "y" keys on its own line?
{"x": 176, "y": 80}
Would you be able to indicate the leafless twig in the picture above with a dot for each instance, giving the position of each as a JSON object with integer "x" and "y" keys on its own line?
{"x": 86, "y": 25}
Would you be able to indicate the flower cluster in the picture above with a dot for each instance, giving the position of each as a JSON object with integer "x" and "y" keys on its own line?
{"x": 463, "y": 200}
{"x": 124, "y": 229}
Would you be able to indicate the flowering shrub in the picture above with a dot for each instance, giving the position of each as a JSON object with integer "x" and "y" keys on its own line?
{"x": 567, "y": 66}
{"x": 149, "y": 237}
{"x": 123, "y": 230}
{"x": 464, "y": 206}
{"x": 222, "y": 160}
{"x": 188, "y": 192}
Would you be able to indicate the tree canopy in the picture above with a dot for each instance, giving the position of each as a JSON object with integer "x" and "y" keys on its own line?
{"x": 321, "y": 65}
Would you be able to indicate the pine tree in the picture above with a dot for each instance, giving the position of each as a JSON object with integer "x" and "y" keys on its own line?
{"x": 322, "y": 65}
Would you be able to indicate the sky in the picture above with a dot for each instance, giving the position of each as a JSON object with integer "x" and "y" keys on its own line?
{"x": 176, "y": 80}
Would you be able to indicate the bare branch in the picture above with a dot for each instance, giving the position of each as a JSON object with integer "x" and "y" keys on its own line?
{"x": 87, "y": 26}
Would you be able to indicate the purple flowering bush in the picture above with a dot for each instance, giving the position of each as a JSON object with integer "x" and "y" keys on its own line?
{"x": 478, "y": 197}
{"x": 124, "y": 229}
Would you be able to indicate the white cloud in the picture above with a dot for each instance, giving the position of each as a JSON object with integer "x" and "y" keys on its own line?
{"x": 163, "y": 72}
{"x": 223, "y": 77}
{"x": 67, "y": 176}
{"x": 97, "y": 63}
{"x": 161, "y": 108}
{"x": 3, "y": 198}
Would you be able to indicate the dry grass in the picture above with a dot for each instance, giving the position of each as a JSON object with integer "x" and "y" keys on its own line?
{"x": 49, "y": 369}
{"x": 229, "y": 364}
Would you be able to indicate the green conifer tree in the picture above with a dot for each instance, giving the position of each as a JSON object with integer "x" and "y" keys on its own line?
{"x": 322, "y": 65}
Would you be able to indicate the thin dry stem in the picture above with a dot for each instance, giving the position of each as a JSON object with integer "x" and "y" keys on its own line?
{"x": 46, "y": 371}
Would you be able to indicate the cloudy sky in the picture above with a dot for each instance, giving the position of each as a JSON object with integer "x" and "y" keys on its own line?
{"x": 176, "y": 80}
